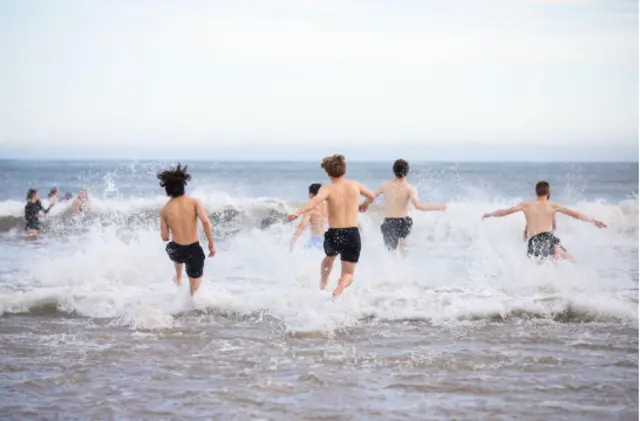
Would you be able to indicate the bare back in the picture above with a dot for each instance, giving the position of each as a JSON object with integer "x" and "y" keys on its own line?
{"x": 342, "y": 202}
{"x": 318, "y": 220}
{"x": 181, "y": 214}
{"x": 539, "y": 216}
{"x": 397, "y": 195}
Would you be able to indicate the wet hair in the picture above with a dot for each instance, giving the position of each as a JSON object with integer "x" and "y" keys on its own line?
{"x": 174, "y": 180}
{"x": 543, "y": 189}
{"x": 314, "y": 188}
{"x": 53, "y": 191}
{"x": 31, "y": 194}
{"x": 335, "y": 166}
{"x": 401, "y": 168}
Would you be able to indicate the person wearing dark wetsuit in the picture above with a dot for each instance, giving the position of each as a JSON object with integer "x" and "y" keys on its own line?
{"x": 397, "y": 193}
{"x": 32, "y": 212}
{"x": 540, "y": 216}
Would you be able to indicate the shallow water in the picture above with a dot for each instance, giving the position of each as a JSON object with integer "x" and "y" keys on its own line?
{"x": 464, "y": 328}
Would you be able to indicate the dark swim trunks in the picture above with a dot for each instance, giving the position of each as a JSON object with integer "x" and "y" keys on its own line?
{"x": 543, "y": 245}
{"x": 394, "y": 230}
{"x": 192, "y": 256}
{"x": 343, "y": 241}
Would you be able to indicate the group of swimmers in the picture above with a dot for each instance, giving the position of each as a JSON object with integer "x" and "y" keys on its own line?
{"x": 34, "y": 207}
{"x": 337, "y": 205}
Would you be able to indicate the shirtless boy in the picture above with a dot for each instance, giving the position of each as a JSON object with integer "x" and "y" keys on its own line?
{"x": 397, "y": 193}
{"x": 316, "y": 219}
{"x": 539, "y": 215}
{"x": 179, "y": 219}
{"x": 343, "y": 235}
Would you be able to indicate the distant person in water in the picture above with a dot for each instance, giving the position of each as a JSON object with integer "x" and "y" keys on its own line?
{"x": 81, "y": 203}
{"x": 32, "y": 212}
{"x": 316, "y": 219}
{"x": 539, "y": 215}
{"x": 53, "y": 196}
{"x": 398, "y": 193}
{"x": 343, "y": 236}
{"x": 179, "y": 222}
{"x": 67, "y": 196}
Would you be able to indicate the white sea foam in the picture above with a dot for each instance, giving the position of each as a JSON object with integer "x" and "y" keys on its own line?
{"x": 459, "y": 268}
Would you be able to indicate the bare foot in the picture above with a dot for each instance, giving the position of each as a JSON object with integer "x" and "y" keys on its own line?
{"x": 341, "y": 286}
{"x": 177, "y": 280}
{"x": 323, "y": 285}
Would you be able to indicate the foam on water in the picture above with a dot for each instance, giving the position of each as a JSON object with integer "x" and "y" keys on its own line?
{"x": 460, "y": 268}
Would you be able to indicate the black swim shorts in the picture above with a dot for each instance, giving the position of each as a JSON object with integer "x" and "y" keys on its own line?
{"x": 543, "y": 245}
{"x": 394, "y": 230}
{"x": 192, "y": 256}
{"x": 343, "y": 241}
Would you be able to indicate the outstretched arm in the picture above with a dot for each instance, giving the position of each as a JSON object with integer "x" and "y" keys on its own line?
{"x": 43, "y": 209}
{"x": 303, "y": 224}
{"x": 413, "y": 195}
{"x": 322, "y": 195}
{"x": 578, "y": 215}
{"x": 370, "y": 200}
{"x": 371, "y": 197}
{"x": 206, "y": 226}
{"x": 503, "y": 212}
{"x": 366, "y": 192}
{"x": 164, "y": 228}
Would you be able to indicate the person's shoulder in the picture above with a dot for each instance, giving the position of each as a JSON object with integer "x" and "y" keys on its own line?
{"x": 354, "y": 185}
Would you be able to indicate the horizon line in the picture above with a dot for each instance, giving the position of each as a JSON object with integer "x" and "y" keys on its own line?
{"x": 510, "y": 161}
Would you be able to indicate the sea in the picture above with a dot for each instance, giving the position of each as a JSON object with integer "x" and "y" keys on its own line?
{"x": 464, "y": 328}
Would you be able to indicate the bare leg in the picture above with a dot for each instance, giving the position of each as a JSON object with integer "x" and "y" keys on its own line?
{"x": 194, "y": 284}
{"x": 563, "y": 254}
{"x": 325, "y": 270}
{"x": 402, "y": 247}
{"x": 346, "y": 277}
{"x": 178, "y": 278}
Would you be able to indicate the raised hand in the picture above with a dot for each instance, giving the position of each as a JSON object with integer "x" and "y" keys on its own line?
{"x": 599, "y": 224}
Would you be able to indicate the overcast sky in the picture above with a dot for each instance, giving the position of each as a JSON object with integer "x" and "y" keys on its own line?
{"x": 294, "y": 79}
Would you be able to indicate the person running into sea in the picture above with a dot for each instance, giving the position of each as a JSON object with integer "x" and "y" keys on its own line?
{"x": 32, "y": 212}
{"x": 315, "y": 219}
{"x": 343, "y": 236}
{"x": 539, "y": 215}
{"x": 398, "y": 193}
{"x": 179, "y": 223}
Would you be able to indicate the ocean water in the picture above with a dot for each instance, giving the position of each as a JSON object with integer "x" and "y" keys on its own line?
{"x": 464, "y": 328}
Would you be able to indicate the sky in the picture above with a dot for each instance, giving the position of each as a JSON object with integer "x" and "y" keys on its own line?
{"x": 299, "y": 79}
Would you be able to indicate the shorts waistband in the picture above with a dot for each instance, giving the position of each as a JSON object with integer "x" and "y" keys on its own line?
{"x": 197, "y": 243}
